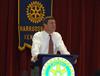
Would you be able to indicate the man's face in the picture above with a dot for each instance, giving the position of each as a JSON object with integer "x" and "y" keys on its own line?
{"x": 51, "y": 26}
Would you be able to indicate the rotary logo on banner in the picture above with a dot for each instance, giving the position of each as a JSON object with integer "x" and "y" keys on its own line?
{"x": 31, "y": 14}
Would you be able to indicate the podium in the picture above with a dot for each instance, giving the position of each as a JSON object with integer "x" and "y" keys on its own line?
{"x": 56, "y": 65}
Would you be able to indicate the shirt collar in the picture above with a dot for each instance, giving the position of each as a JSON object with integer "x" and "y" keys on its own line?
{"x": 47, "y": 33}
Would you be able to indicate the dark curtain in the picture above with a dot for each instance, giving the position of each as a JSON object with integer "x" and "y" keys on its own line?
{"x": 78, "y": 21}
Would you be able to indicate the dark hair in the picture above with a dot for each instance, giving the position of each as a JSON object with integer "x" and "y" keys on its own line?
{"x": 48, "y": 18}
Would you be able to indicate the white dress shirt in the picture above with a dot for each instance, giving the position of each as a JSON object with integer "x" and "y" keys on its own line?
{"x": 40, "y": 43}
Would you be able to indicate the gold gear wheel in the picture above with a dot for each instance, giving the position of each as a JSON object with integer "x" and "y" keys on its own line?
{"x": 35, "y": 12}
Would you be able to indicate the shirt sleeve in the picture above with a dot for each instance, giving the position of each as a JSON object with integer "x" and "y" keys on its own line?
{"x": 60, "y": 46}
{"x": 35, "y": 44}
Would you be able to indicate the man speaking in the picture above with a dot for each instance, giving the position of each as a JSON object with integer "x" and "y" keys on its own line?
{"x": 47, "y": 42}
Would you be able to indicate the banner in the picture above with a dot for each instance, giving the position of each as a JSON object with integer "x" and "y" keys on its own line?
{"x": 30, "y": 16}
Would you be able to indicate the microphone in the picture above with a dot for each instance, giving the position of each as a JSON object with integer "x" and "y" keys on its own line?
{"x": 58, "y": 53}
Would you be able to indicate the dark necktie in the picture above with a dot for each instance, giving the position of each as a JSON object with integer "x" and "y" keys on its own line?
{"x": 50, "y": 45}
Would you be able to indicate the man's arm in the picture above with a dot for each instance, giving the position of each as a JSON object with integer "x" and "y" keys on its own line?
{"x": 60, "y": 45}
{"x": 35, "y": 47}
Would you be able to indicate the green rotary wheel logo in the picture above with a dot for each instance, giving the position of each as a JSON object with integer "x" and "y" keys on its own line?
{"x": 35, "y": 12}
{"x": 58, "y": 66}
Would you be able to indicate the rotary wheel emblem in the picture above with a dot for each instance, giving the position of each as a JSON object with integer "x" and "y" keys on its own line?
{"x": 58, "y": 66}
{"x": 35, "y": 12}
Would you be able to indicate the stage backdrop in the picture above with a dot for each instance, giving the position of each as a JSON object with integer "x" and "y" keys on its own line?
{"x": 78, "y": 21}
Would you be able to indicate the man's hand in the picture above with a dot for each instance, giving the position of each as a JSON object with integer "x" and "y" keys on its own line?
{"x": 34, "y": 58}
